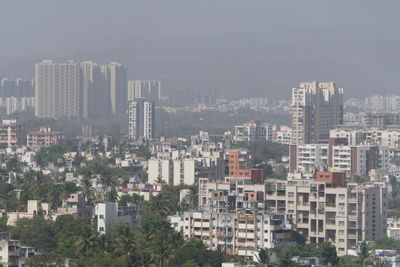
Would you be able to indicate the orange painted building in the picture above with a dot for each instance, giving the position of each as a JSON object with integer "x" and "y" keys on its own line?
{"x": 240, "y": 166}
{"x": 336, "y": 179}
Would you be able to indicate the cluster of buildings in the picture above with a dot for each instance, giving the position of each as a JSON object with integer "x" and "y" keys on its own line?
{"x": 375, "y": 103}
{"x": 256, "y": 131}
{"x": 337, "y": 189}
{"x": 12, "y": 135}
{"x": 87, "y": 89}
{"x": 263, "y": 104}
{"x": 16, "y": 95}
{"x": 243, "y": 217}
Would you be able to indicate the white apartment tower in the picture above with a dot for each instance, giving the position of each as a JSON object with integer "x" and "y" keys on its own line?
{"x": 57, "y": 90}
{"x": 117, "y": 77}
{"x": 141, "y": 119}
{"x": 317, "y": 107}
{"x": 149, "y": 89}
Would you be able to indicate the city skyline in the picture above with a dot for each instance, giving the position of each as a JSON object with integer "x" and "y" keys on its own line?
{"x": 223, "y": 133}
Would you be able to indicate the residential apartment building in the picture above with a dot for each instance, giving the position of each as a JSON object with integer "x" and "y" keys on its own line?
{"x": 282, "y": 135}
{"x": 389, "y": 137}
{"x": 173, "y": 171}
{"x": 13, "y": 104}
{"x": 324, "y": 209}
{"x": 44, "y": 137}
{"x": 118, "y": 84}
{"x": 381, "y": 120}
{"x": 95, "y": 90}
{"x": 16, "y": 88}
{"x": 234, "y": 233}
{"x": 11, "y": 133}
{"x": 149, "y": 89}
{"x": 393, "y": 228}
{"x": 338, "y": 156}
{"x": 141, "y": 119}
{"x": 253, "y": 131}
{"x": 311, "y": 157}
{"x": 317, "y": 107}
{"x": 57, "y": 90}
{"x": 109, "y": 214}
{"x": 12, "y": 252}
{"x": 240, "y": 165}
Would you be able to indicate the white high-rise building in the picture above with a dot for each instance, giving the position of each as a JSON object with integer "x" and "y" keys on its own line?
{"x": 141, "y": 119}
{"x": 317, "y": 107}
{"x": 57, "y": 90}
{"x": 117, "y": 77}
{"x": 149, "y": 89}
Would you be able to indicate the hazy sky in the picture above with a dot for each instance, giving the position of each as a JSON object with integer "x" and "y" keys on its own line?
{"x": 238, "y": 47}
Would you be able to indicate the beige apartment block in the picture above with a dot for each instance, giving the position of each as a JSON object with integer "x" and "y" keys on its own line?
{"x": 323, "y": 211}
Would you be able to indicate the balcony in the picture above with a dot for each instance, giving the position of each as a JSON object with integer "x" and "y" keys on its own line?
{"x": 223, "y": 234}
{"x": 246, "y": 226}
{"x": 303, "y": 225}
{"x": 303, "y": 206}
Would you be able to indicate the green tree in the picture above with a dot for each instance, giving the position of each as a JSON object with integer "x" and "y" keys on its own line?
{"x": 263, "y": 256}
{"x": 286, "y": 261}
{"x": 328, "y": 252}
{"x": 45, "y": 260}
{"x": 194, "y": 251}
{"x": 70, "y": 233}
{"x": 36, "y": 232}
{"x": 363, "y": 253}
{"x": 348, "y": 261}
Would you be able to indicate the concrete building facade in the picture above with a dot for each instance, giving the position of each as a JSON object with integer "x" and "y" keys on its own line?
{"x": 57, "y": 90}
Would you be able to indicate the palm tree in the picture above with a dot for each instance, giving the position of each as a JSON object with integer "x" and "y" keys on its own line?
{"x": 161, "y": 205}
{"x": 363, "y": 253}
{"x": 86, "y": 243}
{"x": 263, "y": 256}
{"x": 124, "y": 244}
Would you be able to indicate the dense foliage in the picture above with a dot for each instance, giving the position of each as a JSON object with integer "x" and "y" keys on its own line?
{"x": 153, "y": 243}
{"x": 264, "y": 151}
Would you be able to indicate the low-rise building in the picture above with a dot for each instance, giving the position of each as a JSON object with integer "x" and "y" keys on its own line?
{"x": 323, "y": 209}
{"x": 393, "y": 228}
{"x": 234, "y": 233}
{"x": 12, "y": 253}
{"x": 11, "y": 133}
{"x": 44, "y": 137}
{"x": 109, "y": 214}
{"x": 34, "y": 207}
{"x": 75, "y": 205}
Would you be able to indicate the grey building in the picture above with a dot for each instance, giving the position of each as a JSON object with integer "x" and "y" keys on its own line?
{"x": 57, "y": 90}
{"x": 141, "y": 119}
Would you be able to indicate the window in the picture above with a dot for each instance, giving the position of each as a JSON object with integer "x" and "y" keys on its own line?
{"x": 101, "y": 216}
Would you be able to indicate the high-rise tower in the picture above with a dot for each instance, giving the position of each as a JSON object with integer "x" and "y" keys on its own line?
{"x": 57, "y": 90}
{"x": 141, "y": 119}
{"x": 117, "y": 77}
{"x": 317, "y": 107}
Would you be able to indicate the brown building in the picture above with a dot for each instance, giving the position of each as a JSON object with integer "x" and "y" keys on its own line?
{"x": 11, "y": 133}
{"x": 335, "y": 179}
{"x": 44, "y": 137}
{"x": 240, "y": 166}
